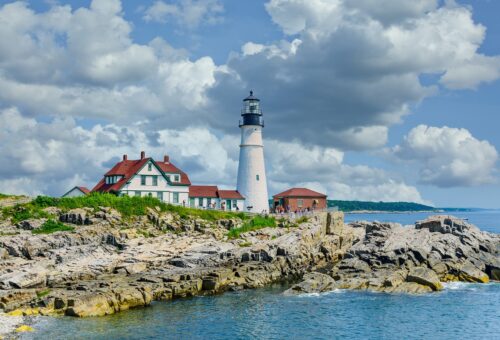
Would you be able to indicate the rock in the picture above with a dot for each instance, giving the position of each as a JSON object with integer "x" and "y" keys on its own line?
{"x": 132, "y": 268}
{"x": 91, "y": 305}
{"x": 108, "y": 214}
{"x": 411, "y": 288}
{"x": 425, "y": 277}
{"x": 31, "y": 224}
{"x": 335, "y": 223}
{"x": 312, "y": 283}
{"x": 77, "y": 216}
{"x": 35, "y": 278}
{"x": 4, "y": 254}
{"x": 24, "y": 328}
{"x": 469, "y": 273}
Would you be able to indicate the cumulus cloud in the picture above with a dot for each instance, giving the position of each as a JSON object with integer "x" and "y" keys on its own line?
{"x": 351, "y": 69}
{"x": 51, "y": 157}
{"x": 448, "y": 157}
{"x": 83, "y": 63}
{"x": 186, "y": 13}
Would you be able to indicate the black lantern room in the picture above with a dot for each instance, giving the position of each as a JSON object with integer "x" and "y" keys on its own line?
{"x": 251, "y": 113}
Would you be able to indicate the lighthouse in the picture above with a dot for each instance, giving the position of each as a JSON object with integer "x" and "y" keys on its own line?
{"x": 252, "y": 183}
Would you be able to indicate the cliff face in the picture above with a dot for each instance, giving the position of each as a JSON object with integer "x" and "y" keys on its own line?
{"x": 109, "y": 264}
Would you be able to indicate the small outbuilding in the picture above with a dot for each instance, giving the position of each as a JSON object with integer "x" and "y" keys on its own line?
{"x": 76, "y": 192}
{"x": 297, "y": 199}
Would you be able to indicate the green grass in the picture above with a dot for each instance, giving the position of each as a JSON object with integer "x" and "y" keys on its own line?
{"x": 302, "y": 219}
{"x": 245, "y": 244}
{"x": 126, "y": 205}
{"x": 51, "y": 226}
{"x": 258, "y": 222}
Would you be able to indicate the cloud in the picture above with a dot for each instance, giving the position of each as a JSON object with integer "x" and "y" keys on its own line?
{"x": 292, "y": 164}
{"x": 448, "y": 157}
{"x": 349, "y": 70}
{"x": 343, "y": 74}
{"x": 186, "y": 13}
{"x": 51, "y": 157}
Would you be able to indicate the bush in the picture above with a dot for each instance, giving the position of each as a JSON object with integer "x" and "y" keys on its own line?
{"x": 127, "y": 205}
{"x": 256, "y": 223}
{"x": 51, "y": 226}
{"x": 20, "y": 213}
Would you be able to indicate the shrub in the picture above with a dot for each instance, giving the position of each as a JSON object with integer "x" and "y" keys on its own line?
{"x": 127, "y": 205}
{"x": 258, "y": 222}
{"x": 51, "y": 226}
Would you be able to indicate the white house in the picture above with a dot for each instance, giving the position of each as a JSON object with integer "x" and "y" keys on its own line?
{"x": 210, "y": 197}
{"x": 77, "y": 192}
{"x": 147, "y": 177}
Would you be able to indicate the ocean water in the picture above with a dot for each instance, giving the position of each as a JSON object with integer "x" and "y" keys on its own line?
{"x": 460, "y": 311}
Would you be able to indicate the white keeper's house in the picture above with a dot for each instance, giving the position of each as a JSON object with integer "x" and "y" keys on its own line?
{"x": 163, "y": 180}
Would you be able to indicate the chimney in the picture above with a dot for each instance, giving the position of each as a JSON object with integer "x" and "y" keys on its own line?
{"x": 125, "y": 157}
{"x": 143, "y": 155}
{"x": 166, "y": 159}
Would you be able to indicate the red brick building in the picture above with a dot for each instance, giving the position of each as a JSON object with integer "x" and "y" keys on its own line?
{"x": 297, "y": 199}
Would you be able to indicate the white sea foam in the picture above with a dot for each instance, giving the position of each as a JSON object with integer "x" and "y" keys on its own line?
{"x": 459, "y": 286}
{"x": 335, "y": 291}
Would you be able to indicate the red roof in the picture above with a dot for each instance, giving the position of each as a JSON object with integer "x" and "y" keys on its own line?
{"x": 172, "y": 169}
{"x": 299, "y": 192}
{"x": 203, "y": 191}
{"x": 230, "y": 194}
{"x": 84, "y": 190}
{"x": 128, "y": 168}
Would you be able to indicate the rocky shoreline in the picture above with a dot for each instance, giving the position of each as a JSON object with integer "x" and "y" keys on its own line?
{"x": 110, "y": 264}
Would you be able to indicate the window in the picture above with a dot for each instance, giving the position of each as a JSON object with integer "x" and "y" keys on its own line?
{"x": 257, "y": 177}
{"x": 150, "y": 166}
{"x": 300, "y": 203}
{"x": 235, "y": 204}
{"x": 191, "y": 202}
{"x": 176, "y": 178}
{"x": 138, "y": 193}
{"x": 155, "y": 180}
{"x": 143, "y": 180}
{"x": 209, "y": 202}
{"x": 200, "y": 202}
{"x": 159, "y": 195}
{"x": 176, "y": 197}
{"x": 150, "y": 194}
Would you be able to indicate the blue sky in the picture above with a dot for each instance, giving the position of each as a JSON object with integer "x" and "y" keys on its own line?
{"x": 399, "y": 104}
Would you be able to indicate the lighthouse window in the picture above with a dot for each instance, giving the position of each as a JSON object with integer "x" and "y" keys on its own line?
{"x": 257, "y": 177}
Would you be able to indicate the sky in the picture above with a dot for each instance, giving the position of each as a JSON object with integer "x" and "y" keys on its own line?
{"x": 379, "y": 100}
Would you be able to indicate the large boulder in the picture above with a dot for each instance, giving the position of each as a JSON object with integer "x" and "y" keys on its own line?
{"x": 312, "y": 283}
{"x": 80, "y": 216}
{"x": 424, "y": 276}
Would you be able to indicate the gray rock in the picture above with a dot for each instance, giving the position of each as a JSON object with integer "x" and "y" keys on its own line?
{"x": 424, "y": 276}
{"x": 312, "y": 283}
{"x": 31, "y": 224}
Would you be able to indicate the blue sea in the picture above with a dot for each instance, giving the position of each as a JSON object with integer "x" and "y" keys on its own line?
{"x": 460, "y": 311}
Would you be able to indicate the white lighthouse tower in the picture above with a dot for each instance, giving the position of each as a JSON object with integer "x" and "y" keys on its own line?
{"x": 252, "y": 183}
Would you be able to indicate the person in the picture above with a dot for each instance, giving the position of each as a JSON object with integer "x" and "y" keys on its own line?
{"x": 237, "y": 208}
{"x": 184, "y": 203}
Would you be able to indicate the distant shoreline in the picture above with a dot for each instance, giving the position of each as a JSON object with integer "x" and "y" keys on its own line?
{"x": 392, "y": 212}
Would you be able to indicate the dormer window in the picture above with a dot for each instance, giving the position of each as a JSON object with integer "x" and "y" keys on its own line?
{"x": 150, "y": 167}
{"x": 112, "y": 179}
{"x": 177, "y": 178}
